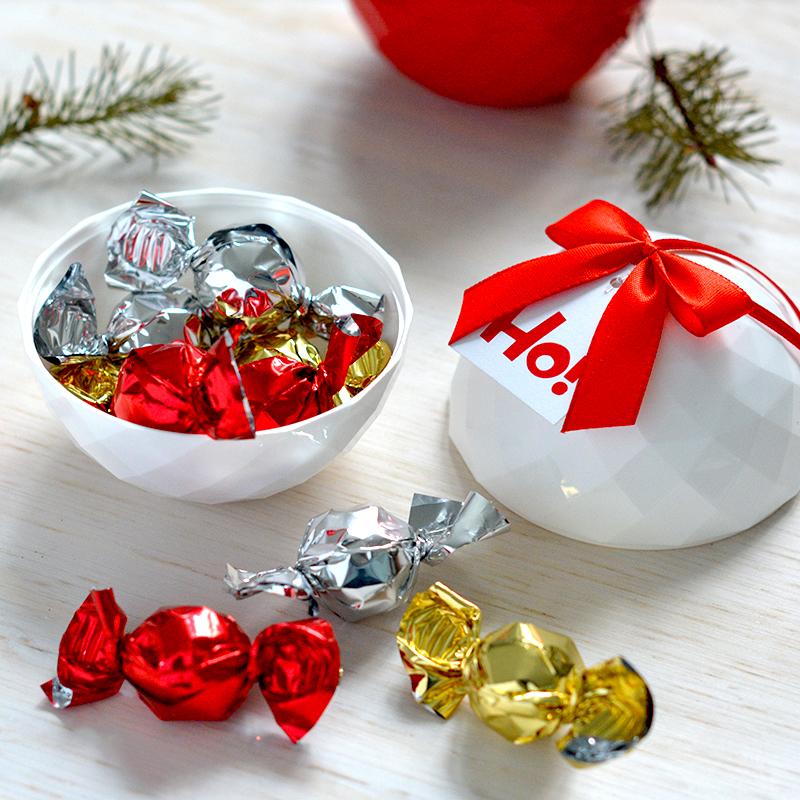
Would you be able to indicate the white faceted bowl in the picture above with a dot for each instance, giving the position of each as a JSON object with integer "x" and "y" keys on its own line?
{"x": 715, "y": 449}
{"x": 195, "y": 467}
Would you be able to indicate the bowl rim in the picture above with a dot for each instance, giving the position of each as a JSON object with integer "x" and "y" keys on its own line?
{"x": 74, "y": 236}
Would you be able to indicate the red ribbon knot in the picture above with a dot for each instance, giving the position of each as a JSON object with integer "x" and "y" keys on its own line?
{"x": 649, "y": 247}
{"x": 599, "y": 239}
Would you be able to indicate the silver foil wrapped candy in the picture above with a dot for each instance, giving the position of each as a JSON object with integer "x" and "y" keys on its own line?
{"x": 150, "y": 245}
{"x": 363, "y": 562}
{"x": 144, "y": 318}
{"x": 245, "y": 258}
{"x": 343, "y": 301}
{"x": 255, "y": 258}
{"x": 67, "y": 322}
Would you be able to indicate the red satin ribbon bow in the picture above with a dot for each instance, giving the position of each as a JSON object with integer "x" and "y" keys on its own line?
{"x": 600, "y": 239}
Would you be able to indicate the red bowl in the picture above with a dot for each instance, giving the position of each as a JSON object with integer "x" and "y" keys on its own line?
{"x": 497, "y": 52}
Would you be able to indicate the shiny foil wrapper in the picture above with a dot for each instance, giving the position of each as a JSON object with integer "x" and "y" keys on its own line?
{"x": 246, "y": 259}
{"x": 286, "y": 344}
{"x": 297, "y": 667}
{"x": 191, "y": 663}
{"x": 365, "y": 369}
{"x": 149, "y": 246}
{"x": 268, "y": 311}
{"x": 146, "y": 318}
{"x": 178, "y": 387}
{"x": 250, "y": 349}
{"x": 363, "y": 562}
{"x": 67, "y": 322}
{"x": 339, "y": 302}
{"x": 93, "y": 379}
{"x": 344, "y": 301}
{"x": 523, "y": 681}
{"x": 239, "y": 263}
{"x": 260, "y": 313}
{"x": 282, "y": 390}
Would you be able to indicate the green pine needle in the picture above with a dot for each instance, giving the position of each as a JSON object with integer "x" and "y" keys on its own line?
{"x": 689, "y": 119}
{"x": 149, "y": 110}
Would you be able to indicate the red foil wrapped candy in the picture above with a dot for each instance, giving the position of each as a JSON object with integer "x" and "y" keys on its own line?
{"x": 191, "y": 663}
{"x": 281, "y": 390}
{"x": 180, "y": 387}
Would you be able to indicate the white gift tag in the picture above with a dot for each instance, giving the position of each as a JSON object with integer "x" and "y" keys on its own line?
{"x": 537, "y": 355}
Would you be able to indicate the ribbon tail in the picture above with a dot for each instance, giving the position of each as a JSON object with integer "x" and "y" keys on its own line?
{"x": 503, "y": 293}
{"x": 610, "y": 389}
{"x": 509, "y": 291}
{"x": 775, "y": 324}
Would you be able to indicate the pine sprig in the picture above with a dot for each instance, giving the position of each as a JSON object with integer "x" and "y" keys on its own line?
{"x": 150, "y": 110}
{"x": 690, "y": 119}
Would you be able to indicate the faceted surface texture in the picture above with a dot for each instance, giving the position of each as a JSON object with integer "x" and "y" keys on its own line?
{"x": 714, "y": 451}
{"x": 437, "y": 634}
{"x": 89, "y": 667}
{"x": 361, "y": 562}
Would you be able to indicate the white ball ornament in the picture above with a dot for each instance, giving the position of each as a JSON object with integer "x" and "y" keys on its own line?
{"x": 714, "y": 450}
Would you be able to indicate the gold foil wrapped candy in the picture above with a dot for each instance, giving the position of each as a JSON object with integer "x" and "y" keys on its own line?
{"x": 363, "y": 371}
{"x": 523, "y": 681}
{"x": 92, "y": 378}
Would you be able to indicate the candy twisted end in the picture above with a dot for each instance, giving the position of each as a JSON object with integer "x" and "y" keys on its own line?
{"x": 58, "y": 694}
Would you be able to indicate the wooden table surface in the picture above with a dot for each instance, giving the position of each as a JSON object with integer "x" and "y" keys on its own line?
{"x": 454, "y": 193}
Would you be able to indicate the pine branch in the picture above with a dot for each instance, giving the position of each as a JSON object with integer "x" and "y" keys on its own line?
{"x": 150, "y": 110}
{"x": 689, "y": 118}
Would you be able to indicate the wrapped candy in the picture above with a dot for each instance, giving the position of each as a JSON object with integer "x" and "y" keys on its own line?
{"x": 259, "y": 312}
{"x": 144, "y": 318}
{"x": 271, "y": 329}
{"x": 523, "y": 681}
{"x": 253, "y": 259}
{"x": 244, "y": 259}
{"x": 149, "y": 246}
{"x": 191, "y": 663}
{"x": 249, "y": 349}
{"x": 344, "y": 301}
{"x": 93, "y": 379}
{"x": 67, "y": 322}
{"x": 363, "y": 562}
{"x": 282, "y": 390}
{"x": 179, "y": 387}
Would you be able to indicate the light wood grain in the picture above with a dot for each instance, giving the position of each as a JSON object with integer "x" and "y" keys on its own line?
{"x": 453, "y": 193}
